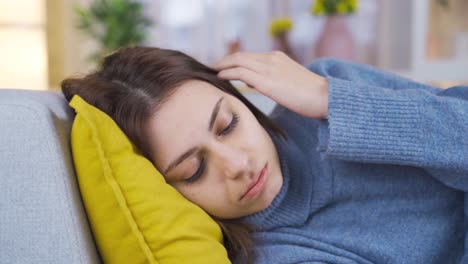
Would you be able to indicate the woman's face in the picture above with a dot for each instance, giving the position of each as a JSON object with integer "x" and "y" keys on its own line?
{"x": 211, "y": 148}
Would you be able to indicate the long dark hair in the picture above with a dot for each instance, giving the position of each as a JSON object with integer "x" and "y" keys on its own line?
{"x": 132, "y": 83}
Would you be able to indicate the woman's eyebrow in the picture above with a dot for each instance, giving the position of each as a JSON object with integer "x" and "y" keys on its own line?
{"x": 214, "y": 114}
{"x": 193, "y": 150}
{"x": 181, "y": 158}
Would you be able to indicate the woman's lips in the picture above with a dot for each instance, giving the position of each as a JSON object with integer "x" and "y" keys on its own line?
{"x": 258, "y": 185}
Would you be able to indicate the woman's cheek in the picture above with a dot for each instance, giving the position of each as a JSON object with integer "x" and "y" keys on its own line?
{"x": 191, "y": 194}
{"x": 249, "y": 131}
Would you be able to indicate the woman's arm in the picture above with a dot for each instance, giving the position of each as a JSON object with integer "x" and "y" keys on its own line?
{"x": 373, "y": 116}
{"x": 378, "y": 117}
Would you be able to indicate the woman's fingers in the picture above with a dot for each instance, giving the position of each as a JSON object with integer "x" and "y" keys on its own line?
{"x": 280, "y": 78}
{"x": 251, "y": 61}
{"x": 248, "y": 76}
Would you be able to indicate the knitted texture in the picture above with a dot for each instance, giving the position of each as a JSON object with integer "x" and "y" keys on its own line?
{"x": 382, "y": 180}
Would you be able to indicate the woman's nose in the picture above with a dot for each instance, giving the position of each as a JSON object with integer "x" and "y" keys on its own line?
{"x": 233, "y": 162}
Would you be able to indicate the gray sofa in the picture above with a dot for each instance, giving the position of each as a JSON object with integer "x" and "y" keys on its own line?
{"x": 42, "y": 218}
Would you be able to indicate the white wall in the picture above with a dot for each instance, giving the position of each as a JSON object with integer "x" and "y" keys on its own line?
{"x": 23, "y": 50}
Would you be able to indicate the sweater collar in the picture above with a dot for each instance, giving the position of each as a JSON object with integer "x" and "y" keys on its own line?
{"x": 291, "y": 206}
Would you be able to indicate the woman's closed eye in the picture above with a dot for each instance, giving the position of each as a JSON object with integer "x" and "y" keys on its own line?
{"x": 201, "y": 169}
{"x": 231, "y": 126}
{"x": 198, "y": 173}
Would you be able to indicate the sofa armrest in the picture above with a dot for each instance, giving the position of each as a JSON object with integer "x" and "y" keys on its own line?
{"x": 42, "y": 219}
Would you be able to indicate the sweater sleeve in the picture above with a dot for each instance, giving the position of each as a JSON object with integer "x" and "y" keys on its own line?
{"x": 377, "y": 117}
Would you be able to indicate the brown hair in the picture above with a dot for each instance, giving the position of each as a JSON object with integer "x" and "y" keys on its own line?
{"x": 133, "y": 83}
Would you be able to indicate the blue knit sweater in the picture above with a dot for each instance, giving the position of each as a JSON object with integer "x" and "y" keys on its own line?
{"x": 382, "y": 180}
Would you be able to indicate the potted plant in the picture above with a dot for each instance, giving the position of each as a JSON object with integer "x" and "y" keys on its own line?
{"x": 335, "y": 39}
{"x": 113, "y": 24}
{"x": 279, "y": 30}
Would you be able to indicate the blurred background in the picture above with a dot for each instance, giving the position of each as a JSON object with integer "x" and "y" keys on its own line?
{"x": 44, "y": 41}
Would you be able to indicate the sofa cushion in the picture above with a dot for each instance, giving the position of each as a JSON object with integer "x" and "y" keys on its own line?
{"x": 136, "y": 217}
{"x": 42, "y": 219}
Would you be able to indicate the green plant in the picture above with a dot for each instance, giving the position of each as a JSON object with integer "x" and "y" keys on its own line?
{"x": 334, "y": 7}
{"x": 280, "y": 25}
{"x": 113, "y": 24}
{"x": 443, "y": 3}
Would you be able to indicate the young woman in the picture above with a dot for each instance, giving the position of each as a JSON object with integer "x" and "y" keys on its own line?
{"x": 354, "y": 165}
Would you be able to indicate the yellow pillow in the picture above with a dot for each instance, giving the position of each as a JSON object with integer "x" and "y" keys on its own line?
{"x": 135, "y": 216}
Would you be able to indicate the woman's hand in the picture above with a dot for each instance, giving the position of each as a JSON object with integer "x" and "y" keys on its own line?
{"x": 280, "y": 78}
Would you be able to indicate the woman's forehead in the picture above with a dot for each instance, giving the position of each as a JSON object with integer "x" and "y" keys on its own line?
{"x": 184, "y": 119}
{"x": 191, "y": 100}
